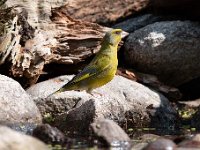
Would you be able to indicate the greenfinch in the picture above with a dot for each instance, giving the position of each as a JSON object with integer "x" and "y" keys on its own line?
{"x": 101, "y": 69}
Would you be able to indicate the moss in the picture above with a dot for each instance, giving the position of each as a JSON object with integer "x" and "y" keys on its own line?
{"x": 48, "y": 118}
{"x": 187, "y": 113}
{"x": 56, "y": 147}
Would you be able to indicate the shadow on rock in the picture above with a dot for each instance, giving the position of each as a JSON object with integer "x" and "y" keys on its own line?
{"x": 77, "y": 119}
{"x": 128, "y": 103}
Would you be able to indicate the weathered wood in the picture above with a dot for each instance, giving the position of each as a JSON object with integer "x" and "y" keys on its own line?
{"x": 9, "y": 33}
{"x": 36, "y": 42}
{"x": 39, "y": 11}
{"x": 77, "y": 39}
{"x": 103, "y": 11}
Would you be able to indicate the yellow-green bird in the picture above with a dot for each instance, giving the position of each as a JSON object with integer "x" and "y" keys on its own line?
{"x": 101, "y": 69}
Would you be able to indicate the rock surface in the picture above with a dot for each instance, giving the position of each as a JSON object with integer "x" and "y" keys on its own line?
{"x": 58, "y": 104}
{"x": 16, "y": 106}
{"x": 12, "y": 140}
{"x": 49, "y": 134}
{"x": 191, "y": 103}
{"x": 167, "y": 49}
{"x": 194, "y": 142}
{"x": 159, "y": 144}
{"x": 130, "y": 25}
{"x": 109, "y": 132}
{"x": 120, "y": 100}
{"x": 143, "y": 140}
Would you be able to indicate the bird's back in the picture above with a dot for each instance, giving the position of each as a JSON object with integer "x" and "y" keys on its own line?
{"x": 99, "y": 72}
{"x": 101, "y": 69}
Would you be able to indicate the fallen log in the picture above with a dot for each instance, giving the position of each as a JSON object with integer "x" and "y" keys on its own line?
{"x": 28, "y": 47}
{"x": 103, "y": 11}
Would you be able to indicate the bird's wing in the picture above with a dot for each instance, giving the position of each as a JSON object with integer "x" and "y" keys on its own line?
{"x": 96, "y": 67}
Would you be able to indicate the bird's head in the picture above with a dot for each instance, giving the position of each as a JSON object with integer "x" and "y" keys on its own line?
{"x": 113, "y": 37}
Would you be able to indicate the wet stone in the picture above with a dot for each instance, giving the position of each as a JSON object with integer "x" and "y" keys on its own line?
{"x": 49, "y": 134}
{"x": 194, "y": 142}
{"x": 26, "y": 128}
{"x": 108, "y": 132}
{"x": 161, "y": 144}
{"x": 12, "y": 140}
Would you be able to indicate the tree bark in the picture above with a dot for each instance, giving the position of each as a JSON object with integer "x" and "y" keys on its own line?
{"x": 36, "y": 37}
{"x": 103, "y": 11}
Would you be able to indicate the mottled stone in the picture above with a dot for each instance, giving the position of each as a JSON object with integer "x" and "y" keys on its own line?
{"x": 124, "y": 101}
{"x": 159, "y": 144}
{"x": 16, "y": 106}
{"x": 12, "y": 140}
{"x": 168, "y": 49}
{"x": 109, "y": 132}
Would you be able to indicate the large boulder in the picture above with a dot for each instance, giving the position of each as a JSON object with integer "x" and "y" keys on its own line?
{"x": 167, "y": 49}
{"x": 16, "y": 106}
{"x": 124, "y": 101}
{"x": 50, "y": 106}
{"x": 12, "y": 140}
{"x": 135, "y": 23}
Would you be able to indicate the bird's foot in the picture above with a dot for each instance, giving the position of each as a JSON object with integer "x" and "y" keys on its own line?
{"x": 95, "y": 94}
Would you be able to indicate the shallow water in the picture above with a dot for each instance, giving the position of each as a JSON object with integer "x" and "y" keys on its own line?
{"x": 137, "y": 137}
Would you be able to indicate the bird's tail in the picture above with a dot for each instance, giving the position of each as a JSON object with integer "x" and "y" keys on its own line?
{"x": 58, "y": 91}
{"x": 66, "y": 87}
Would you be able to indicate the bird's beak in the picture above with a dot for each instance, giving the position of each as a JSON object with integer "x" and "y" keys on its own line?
{"x": 124, "y": 34}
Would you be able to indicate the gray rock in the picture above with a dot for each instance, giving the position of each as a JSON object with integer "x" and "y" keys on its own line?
{"x": 139, "y": 146}
{"x": 16, "y": 106}
{"x": 49, "y": 134}
{"x": 58, "y": 104}
{"x": 120, "y": 100}
{"x": 23, "y": 127}
{"x": 191, "y": 103}
{"x": 149, "y": 137}
{"x": 183, "y": 148}
{"x": 124, "y": 100}
{"x": 12, "y": 140}
{"x": 193, "y": 142}
{"x": 164, "y": 144}
{"x": 44, "y": 89}
{"x": 143, "y": 141}
{"x": 168, "y": 49}
{"x": 109, "y": 132}
{"x": 138, "y": 22}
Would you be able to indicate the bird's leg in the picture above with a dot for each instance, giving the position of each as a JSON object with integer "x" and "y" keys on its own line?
{"x": 89, "y": 91}
{"x": 93, "y": 93}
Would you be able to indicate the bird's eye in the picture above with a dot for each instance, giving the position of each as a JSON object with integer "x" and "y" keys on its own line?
{"x": 118, "y": 32}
